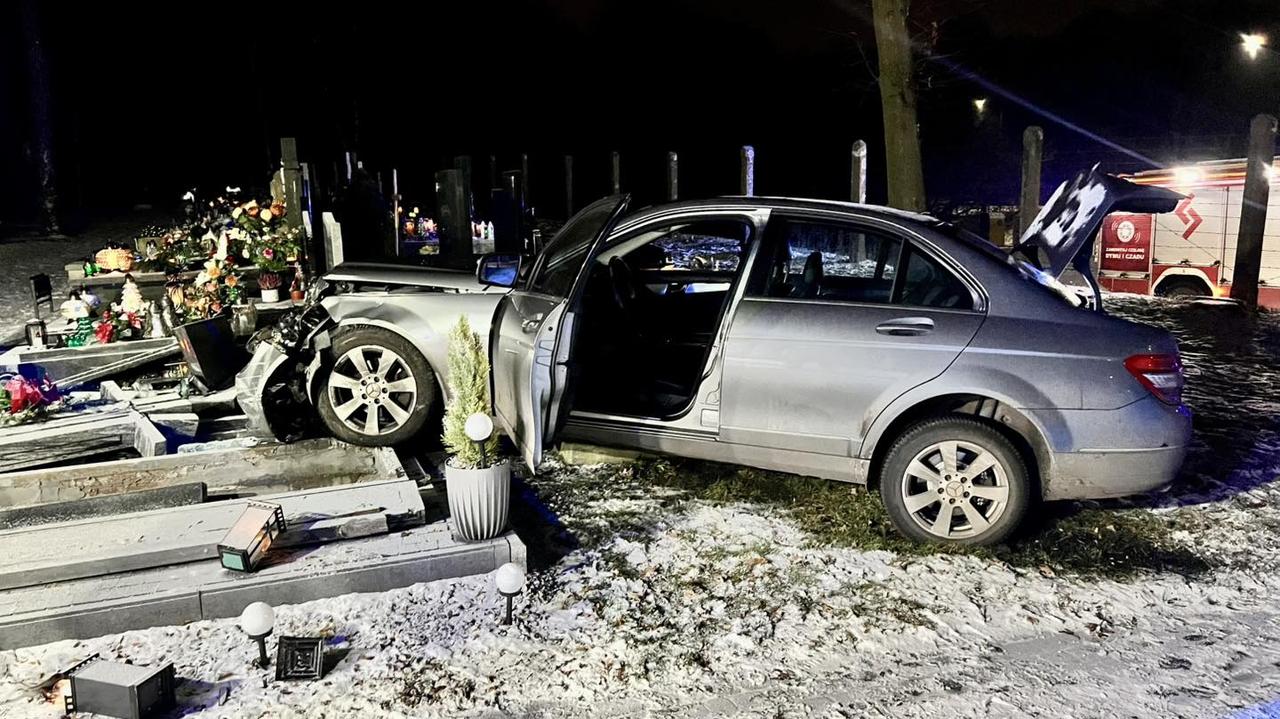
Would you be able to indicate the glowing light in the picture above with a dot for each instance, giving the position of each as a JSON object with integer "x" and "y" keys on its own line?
{"x": 1187, "y": 175}
{"x": 1252, "y": 43}
{"x": 980, "y": 104}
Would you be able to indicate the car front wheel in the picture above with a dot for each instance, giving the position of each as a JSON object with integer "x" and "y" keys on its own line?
{"x": 955, "y": 480}
{"x": 379, "y": 389}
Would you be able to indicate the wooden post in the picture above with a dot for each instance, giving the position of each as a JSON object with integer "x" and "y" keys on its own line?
{"x": 524, "y": 180}
{"x": 568, "y": 186}
{"x": 1253, "y": 213}
{"x": 673, "y": 177}
{"x": 617, "y": 173}
{"x": 747, "y": 181}
{"x": 395, "y": 210}
{"x": 858, "y": 172}
{"x": 493, "y": 173}
{"x": 1029, "y": 200}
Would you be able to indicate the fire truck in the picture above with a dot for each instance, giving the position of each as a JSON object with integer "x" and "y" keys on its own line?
{"x": 1192, "y": 250}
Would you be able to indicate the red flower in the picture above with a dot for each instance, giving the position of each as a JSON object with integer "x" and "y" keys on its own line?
{"x": 22, "y": 394}
{"x": 105, "y": 332}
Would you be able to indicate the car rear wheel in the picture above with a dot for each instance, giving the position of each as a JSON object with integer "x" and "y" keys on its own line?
{"x": 955, "y": 480}
{"x": 378, "y": 391}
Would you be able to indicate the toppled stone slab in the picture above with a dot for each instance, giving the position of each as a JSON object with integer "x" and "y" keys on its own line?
{"x": 142, "y": 540}
{"x": 185, "y": 593}
{"x": 267, "y": 468}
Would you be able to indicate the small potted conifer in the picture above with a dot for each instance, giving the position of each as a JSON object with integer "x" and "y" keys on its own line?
{"x": 477, "y": 479}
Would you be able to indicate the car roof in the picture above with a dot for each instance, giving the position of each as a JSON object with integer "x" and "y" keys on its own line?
{"x": 741, "y": 202}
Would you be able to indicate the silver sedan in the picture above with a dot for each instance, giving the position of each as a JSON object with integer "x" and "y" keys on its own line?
{"x": 849, "y": 342}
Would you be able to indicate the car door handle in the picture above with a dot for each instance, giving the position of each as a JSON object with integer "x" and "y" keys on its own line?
{"x": 906, "y": 327}
{"x": 531, "y": 324}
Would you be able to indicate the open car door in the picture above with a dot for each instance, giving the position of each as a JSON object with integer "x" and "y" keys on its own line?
{"x": 1063, "y": 233}
{"x": 532, "y": 330}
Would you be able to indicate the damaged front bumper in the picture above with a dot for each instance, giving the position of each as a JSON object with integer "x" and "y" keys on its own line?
{"x": 272, "y": 388}
{"x": 251, "y": 386}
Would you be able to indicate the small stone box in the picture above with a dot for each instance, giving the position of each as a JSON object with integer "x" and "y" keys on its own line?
{"x": 121, "y": 690}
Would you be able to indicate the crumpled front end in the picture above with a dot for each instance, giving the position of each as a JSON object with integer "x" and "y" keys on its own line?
{"x": 252, "y": 383}
{"x": 271, "y": 389}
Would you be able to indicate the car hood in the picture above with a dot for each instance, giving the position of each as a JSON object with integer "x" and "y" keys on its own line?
{"x": 387, "y": 274}
{"x": 1063, "y": 233}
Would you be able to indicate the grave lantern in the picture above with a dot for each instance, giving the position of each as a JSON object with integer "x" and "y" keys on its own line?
{"x": 37, "y": 334}
{"x": 120, "y": 690}
{"x": 251, "y": 536}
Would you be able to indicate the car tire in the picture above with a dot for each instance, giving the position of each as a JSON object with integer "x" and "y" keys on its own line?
{"x": 397, "y": 385}
{"x": 931, "y": 494}
{"x": 1184, "y": 289}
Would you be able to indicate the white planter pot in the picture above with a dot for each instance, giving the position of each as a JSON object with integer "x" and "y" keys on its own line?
{"x": 271, "y": 295}
{"x": 478, "y": 500}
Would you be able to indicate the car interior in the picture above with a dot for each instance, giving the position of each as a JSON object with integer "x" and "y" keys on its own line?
{"x": 650, "y": 310}
{"x": 817, "y": 260}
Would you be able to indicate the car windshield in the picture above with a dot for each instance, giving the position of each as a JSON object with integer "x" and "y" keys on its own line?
{"x": 1023, "y": 268}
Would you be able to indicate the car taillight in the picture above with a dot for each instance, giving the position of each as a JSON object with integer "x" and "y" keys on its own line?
{"x": 1161, "y": 374}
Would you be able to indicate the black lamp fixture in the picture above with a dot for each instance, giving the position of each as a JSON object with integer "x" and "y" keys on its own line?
{"x": 251, "y": 536}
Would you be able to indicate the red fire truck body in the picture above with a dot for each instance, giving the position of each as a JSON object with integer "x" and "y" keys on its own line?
{"x": 1192, "y": 250}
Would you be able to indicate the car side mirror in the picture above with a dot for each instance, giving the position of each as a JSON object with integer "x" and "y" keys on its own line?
{"x": 498, "y": 269}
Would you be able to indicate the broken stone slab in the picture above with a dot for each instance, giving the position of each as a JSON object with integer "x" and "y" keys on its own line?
{"x": 74, "y": 366}
{"x": 76, "y": 435}
{"x": 176, "y": 535}
{"x": 178, "y": 428}
{"x": 176, "y": 495}
{"x": 267, "y": 468}
{"x": 180, "y": 594}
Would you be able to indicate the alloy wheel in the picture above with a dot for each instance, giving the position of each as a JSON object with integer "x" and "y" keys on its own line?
{"x": 955, "y": 489}
{"x": 372, "y": 390}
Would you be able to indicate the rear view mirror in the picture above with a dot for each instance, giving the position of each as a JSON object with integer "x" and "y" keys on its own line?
{"x": 498, "y": 270}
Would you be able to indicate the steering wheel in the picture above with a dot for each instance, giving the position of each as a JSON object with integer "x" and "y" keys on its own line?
{"x": 622, "y": 282}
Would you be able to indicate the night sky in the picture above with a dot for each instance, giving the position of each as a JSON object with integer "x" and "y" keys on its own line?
{"x": 150, "y": 98}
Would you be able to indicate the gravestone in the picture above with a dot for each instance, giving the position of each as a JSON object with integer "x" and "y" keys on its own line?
{"x": 454, "y": 220}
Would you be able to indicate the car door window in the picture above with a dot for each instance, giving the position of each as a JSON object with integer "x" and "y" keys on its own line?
{"x": 822, "y": 260}
{"x": 926, "y": 283}
{"x": 563, "y": 258}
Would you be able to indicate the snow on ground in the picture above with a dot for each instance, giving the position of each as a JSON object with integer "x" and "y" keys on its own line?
{"x": 654, "y": 599}
{"x": 20, "y": 258}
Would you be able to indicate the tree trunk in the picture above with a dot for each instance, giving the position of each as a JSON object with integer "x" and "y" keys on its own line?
{"x": 41, "y": 121}
{"x": 898, "y": 100}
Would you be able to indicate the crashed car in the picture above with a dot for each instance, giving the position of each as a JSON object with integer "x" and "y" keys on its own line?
{"x": 837, "y": 340}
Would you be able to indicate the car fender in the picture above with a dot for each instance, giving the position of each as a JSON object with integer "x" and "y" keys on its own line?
{"x": 1008, "y": 389}
{"x": 422, "y": 320}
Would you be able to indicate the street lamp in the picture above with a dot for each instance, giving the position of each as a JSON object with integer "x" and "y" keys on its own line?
{"x": 980, "y": 104}
{"x": 510, "y": 580}
{"x": 257, "y": 620}
{"x": 1252, "y": 43}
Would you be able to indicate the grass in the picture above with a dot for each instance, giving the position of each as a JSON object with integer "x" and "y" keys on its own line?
{"x": 1117, "y": 544}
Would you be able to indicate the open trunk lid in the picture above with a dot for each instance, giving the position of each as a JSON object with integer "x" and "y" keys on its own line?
{"x": 1063, "y": 233}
